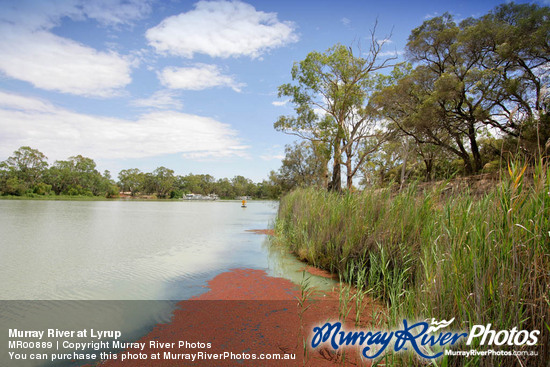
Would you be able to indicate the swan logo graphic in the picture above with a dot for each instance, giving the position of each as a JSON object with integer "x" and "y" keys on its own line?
{"x": 439, "y": 325}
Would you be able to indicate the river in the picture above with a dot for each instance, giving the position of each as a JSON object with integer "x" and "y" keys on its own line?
{"x": 123, "y": 264}
{"x": 125, "y": 250}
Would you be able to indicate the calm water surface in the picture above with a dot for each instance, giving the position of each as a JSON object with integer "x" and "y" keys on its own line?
{"x": 125, "y": 250}
{"x": 121, "y": 265}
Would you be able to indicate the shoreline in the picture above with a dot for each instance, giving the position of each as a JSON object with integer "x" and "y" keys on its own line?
{"x": 247, "y": 312}
{"x": 116, "y": 198}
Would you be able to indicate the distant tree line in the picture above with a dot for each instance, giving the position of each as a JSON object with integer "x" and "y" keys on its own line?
{"x": 468, "y": 96}
{"x": 165, "y": 184}
{"x": 27, "y": 173}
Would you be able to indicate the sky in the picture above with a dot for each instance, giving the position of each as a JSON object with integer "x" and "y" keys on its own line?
{"x": 189, "y": 85}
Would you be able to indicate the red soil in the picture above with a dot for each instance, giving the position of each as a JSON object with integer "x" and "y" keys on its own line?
{"x": 246, "y": 311}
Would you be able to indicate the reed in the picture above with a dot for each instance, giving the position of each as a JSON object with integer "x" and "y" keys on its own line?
{"x": 306, "y": 292}
{"x": 481, "y": 259}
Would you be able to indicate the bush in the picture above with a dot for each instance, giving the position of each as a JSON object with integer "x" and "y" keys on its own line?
{"x": 176, "y": 194}
{"x": 42, "y": 189}
{"x": 14, "y": 186}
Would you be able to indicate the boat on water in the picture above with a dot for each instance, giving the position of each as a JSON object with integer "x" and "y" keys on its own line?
{"x": 200, "y": 197}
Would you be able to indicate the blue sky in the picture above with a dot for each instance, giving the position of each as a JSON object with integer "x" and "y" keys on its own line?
{"x": 183, "y": 84}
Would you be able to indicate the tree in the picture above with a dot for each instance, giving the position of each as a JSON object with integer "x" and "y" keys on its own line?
{"x": 268, "y": 189}
{"x": 78, "y": 176}
{"x": 60, "y": 176}
{"x": 86, "y": 175}
{"x": 27, "y": 164}
{"x": 460, "y": 89}
{"x": 330, "y": 98}
{"x": 243, "y": 186}
{"x": 481, "y": 74}
{"x": 14, "y": 186}
{"x": 206, "y": 184}
{"x": 163, "y": 181}
{"x": 517, "y": 37}
{"x": 416, "y": 108}
{"x": 301, "y": 167}
{"x": 197, "y": 184}
{"x": 131, "y": 180}
{"x": 224, "y": 188}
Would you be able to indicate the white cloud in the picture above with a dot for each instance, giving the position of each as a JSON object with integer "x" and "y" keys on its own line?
{"x": 385, "y": 41}
{"x": 17, "y": 102}
{"x": 162, "y": 99}
{"x": 279, "y": 103}
{"x": 345, "y": 21}
{"x": 30, "y": 52}
{"x": 320, "y": 112}
{"x": 60, "y": 133}
{"x": 273, "y": 153}
{"x": 40, "y": 15}
{"x": 238, "y": 150}
{"x": 55, "y": 63}
{"x": 394, "y": 53}
{"x": 221, "y": 29}
{"x": 198, "y": 77}
{"x": 113, "y": 12}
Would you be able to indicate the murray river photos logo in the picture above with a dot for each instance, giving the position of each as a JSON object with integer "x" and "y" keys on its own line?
{"x": 427, "y": 340}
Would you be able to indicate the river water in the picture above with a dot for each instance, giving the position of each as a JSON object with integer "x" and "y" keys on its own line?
{"x": 125, "y": 250}
{"x": 123, "y": 264}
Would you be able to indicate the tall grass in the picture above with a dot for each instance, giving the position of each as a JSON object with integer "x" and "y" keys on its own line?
{"x": 481, "y": 259}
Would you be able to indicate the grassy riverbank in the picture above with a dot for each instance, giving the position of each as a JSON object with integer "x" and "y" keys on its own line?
{"x": 479, "y": 258}
{"x": 56, "y": 197}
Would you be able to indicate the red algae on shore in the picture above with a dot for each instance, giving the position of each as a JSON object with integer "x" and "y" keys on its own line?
{"x": 269, "y": 232}
{"x": 319, "y": 272}
{"x": 246, "y": 314}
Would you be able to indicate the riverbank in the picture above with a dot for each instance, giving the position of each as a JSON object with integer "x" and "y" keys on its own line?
{"x": 248, "y": 315}
{"x": 477, "y": 258}
{"x": 58, "y": 197}
{"x": 114, "y": 198}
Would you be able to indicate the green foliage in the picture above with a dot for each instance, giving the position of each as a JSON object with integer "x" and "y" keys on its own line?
{"x": 483, "y": 74}
{"x": 78, "y": 176}
{"x": 224, "y": 188}
{"x": 42, "y": 189}
{"x": 176, "y": 194}
{"x": 162, "y": 181}
{"x": 78, "y": 191}
{"x": 14, "y": 186}
{"x": 430, "y": 254}
{"x": 26, "y": 173}
{"x": 131, "y": 180}
{"x": 27, "y": 165}
{"x": 112, "y": 190}
{"x": 330, "y": 96}
{"x": 302, "y": 166}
